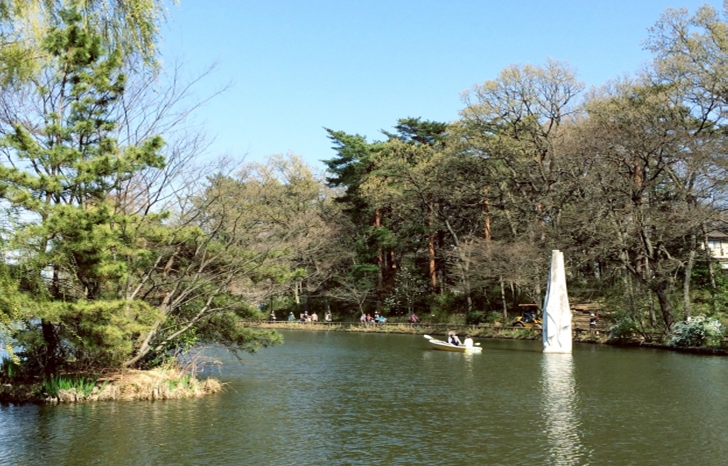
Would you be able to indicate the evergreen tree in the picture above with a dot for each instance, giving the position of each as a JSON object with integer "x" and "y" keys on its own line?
{"x": 60, "y": 178}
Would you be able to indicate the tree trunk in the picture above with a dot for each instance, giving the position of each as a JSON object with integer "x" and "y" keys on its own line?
{"x": 653, "y": 316}
{"x": 709, "y": 260}
{"x": 431, "y": 252}
{"x": 50, "y": 363}
{"x": 469, "y": 296}
{"x": 306, "y": 296}
{"x": 503, "y": 299}
{"x": 688, "y": 275}
{"x": 486, "y": 219}
{"x": 380, "y": 264}
{"x": 663, "y": 297}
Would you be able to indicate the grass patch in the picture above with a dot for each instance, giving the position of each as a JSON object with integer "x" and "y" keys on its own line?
{"x": 9, "y": 368}
{"x": 53, "y": 387}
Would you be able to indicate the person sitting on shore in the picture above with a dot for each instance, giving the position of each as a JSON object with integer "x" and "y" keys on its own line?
{"x": 453, "y": 339}
{"x": 314, "y": 318}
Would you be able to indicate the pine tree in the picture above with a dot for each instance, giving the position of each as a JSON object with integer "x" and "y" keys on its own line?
{"x": 72, "y": 241}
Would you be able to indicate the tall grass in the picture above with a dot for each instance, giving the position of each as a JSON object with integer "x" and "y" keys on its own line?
{"x": 9, "y": 368}
{"x": 185, "y": 381}
{"x": 84, "y": 386}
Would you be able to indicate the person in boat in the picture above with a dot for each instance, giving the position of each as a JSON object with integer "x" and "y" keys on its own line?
{"x": 453, "y": 339}
{"x": 468, "y": 342}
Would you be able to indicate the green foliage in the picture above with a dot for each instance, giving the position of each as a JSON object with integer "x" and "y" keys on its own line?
{"x": 96, "y": 334}
{"x": 73, "y": 243}
{"x": 698, "y": 331}
{"x": 12, "y": 305}
{"x": 52, "y": 386}
{"x": 482, "y": 317}
{"x": 475, "y": 318}
{"x": 447, "y": 303}
{"x": 132, "y": 26}
{"x": 409, "y": 293}
{"x": 224, "y": 328}
{"x": 9, "y": 368}
{"x": 184, "y": 382}
{"x": 624, "y": 329}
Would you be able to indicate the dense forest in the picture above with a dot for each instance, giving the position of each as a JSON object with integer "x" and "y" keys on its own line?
{"x": 123, "y": 248}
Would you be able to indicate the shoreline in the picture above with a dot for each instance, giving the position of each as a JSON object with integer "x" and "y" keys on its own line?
{"x": 486, "y": 332}
{"x": 172, "y": 383}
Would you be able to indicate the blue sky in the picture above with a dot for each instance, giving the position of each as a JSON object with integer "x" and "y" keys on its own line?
{"x": 357, "y": 66}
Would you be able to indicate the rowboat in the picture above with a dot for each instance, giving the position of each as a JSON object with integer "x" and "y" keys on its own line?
{"x": 445, "y": 346}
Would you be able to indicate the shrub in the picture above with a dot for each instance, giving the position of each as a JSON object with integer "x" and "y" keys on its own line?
{"x": 623, "y": 329}
{"x": 475, "y": 318}
{"x": 9, "y": 368}
{"x": 698, "y": 331}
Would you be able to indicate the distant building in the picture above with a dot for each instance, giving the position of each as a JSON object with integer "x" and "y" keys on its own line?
{"x": 718, "y": 247}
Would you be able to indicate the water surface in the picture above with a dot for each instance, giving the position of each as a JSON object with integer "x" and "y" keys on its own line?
{"x": 333, "y": 398}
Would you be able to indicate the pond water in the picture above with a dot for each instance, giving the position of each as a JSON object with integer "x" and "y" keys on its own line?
{"x": 334, "y": 398}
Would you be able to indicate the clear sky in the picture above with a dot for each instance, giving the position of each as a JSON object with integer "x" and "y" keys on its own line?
{"x": 298, "y": 66}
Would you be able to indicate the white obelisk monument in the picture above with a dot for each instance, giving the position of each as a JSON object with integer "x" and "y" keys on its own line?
{"x": 556, "y": 310}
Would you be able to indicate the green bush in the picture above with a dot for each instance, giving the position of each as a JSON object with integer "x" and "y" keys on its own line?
{"x": 481, "y": 317}
{"x": 9, "y": 368}
{"x": 623, "y": 329}
{"x": 698, "y": 331}
{"x": 475, "y": 318}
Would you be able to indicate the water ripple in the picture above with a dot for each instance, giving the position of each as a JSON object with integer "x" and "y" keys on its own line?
{"x": 346, "y": 399}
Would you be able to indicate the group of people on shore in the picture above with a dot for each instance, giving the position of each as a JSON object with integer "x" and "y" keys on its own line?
{"x": 306, "y": 318}
{"x": 367, "y": 319}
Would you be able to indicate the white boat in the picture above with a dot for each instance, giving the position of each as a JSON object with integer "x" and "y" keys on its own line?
{"x": 445, "y": 346}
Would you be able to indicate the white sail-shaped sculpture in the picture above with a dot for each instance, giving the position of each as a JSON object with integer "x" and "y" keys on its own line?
{"x": 556, "y": 310}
